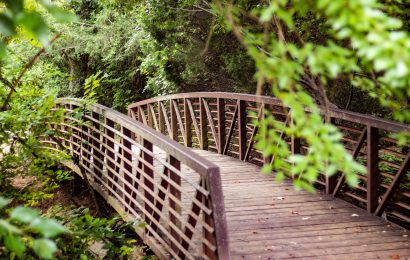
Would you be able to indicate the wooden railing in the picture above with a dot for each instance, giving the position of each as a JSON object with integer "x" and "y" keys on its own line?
{"x": 173, "y": 193}
{"x": 221, "y": 122}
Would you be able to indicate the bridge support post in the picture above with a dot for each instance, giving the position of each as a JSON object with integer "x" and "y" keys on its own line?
{"x": 221, "y": 124}
{"x": 161, "y": 119}
{"x": 188, "y": 124}
{"x": 203, "y": 125}
{"x": 331, "y": 181}
{"x": 110, "y": 152}
{"x": 127, "y": 163}
{"x": 242, "y": 129}
{"x": 148, "y": 176}
{"x": 174, "y": 123}
{"x": 98, "y": 157}
{"x": 372, "y": 168}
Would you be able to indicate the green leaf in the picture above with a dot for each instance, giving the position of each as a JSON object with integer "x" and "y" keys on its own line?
{"x": 7, "y": 228}
{"x": 23, "y": 214}
{"x": 16, "y": 6}
{"x": 4, "y": 202}
{"x": 35, "y": 24}
{"x": 3, "y": 50}
{"x": 47, "y": 227}
{"x": 15, "y": 244}
{"x": 44, "y": 248}
{"x": 61, "y": 15}
{"x": 7, "y": 27}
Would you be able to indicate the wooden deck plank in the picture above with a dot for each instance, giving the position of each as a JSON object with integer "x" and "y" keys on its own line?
{"x": 269, "y": 220}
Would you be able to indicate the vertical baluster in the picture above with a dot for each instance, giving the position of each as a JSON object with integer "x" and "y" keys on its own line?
{"x": 242, "y": 129}
{"x": 174, "y": 122}
{"x": 203, "y": 125}
{"x": 331, "y": 181}
{"x": 85, "y": 147}
{"x": 372, "y": 168}
{"x": 110, "y": 151}
{"x": 161, "y": 118}
{"x": 150, "y": 118}
{"x": 206, "y": 201}
{"x": 177, "y": 194}
{"x": 221, "y": 124}
{"x": 97, "y": 154}
{"x": 188, "y": 124}
{"x": 127, "y": 162}
{"x": 148, "y": 175}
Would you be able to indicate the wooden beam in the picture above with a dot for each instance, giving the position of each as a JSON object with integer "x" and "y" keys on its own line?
{"x": 174, "y": 124}
{"x": 372, "y": 168}
{"x": 356, "y": 152}
{"x": 179, "y": 119}
{"x": 242, "y": 129}
{"x": 394, "y": 185}
{"x": 254, "y": 133}
{"x": 188, "y": 124}
{"x": 221, "y": 124}
{"x": 166, "y": 120}
{"x": 194, "y": 121}
{"x": 231, "y": 129}
{"x": 203, "y": 125}
{"x": 211, "y": 122}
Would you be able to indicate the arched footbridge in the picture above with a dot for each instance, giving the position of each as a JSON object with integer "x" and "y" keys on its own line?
{"x": 185, "y": 168}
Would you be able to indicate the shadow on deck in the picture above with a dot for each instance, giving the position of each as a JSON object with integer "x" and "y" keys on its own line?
{"x": 270, "y": 220}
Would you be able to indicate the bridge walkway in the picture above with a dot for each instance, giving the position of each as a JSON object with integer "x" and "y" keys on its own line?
{"x": 271, "y": 220}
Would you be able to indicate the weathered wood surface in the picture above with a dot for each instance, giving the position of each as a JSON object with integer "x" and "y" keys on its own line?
{"x": 200, "y": 204}
{"x": 225, "y": 123}
{"x": 270, "y": 220}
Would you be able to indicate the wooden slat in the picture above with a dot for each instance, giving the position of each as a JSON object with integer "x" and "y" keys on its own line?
{"x": 393, "y": 186}
{"x": 221, "y": 124}
{"x": 356, "y": 152}
{"x": 242, "y": 129}
{"x": 211, "y": 122}
{"x": 188, "y": 124}
{"x": 195, "y": 122}
{"x": 231, "y": 129}
{"x": 166, "y": 120}
{"x": 203, "y": 126}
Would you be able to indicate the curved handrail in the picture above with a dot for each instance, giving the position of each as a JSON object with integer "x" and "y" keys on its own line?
{"x": 334, "y": 112}
{"x": 219, "y": 121}
{"x": 182, "y": 153}
{"x": 151, "y": 177}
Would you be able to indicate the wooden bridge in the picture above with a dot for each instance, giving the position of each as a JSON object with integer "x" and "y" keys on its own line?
{"x": 185, "y": 168}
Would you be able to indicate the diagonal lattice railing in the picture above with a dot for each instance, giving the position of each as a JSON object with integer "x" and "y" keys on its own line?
{"x": 173, "y": 193}
{"x": 222, "y": 122}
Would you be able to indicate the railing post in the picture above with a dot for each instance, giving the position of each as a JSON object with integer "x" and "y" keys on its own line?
{"x": 110, "y": 151}
{"x": 97, "y": 154}
{"x": 203, "y": 125}
{"x": 372, "y": 168}
{"x": 174, "y": 122}
{"x": 148, "y": 176}
{"x": 177, "y": 194}
{"x": 221, "y": 124}
{"x": 161, "y": 120}
{"x": 127, "y": 162}
{"x": 150, "y": 120}
{"x": 75, "y": 142}
{"x": 331, "y": 181}
{"x": 188, "y": 124}
{"x": 242, "y": 129}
